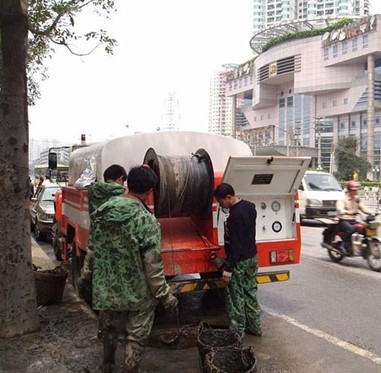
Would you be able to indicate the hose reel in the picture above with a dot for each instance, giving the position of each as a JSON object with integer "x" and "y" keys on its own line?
{"x": 185, "y": 184}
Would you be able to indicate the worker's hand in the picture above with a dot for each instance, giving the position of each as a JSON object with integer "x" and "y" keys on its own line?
{"x": 169, "y": 302}
{"x": 226, "y": 276}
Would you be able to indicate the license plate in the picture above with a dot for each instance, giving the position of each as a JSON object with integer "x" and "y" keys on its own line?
{"x": 331, "y": 213}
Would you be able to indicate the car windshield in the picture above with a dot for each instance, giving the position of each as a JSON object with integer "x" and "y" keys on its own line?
{"x": 325, "y": 182}
{"x": 49, "y": 193}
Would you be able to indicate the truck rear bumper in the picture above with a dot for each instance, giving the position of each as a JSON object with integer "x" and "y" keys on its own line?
{"x": 197, "y": 284}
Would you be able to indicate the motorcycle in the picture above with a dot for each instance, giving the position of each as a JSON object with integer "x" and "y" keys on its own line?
{"x": 364, "y": 241}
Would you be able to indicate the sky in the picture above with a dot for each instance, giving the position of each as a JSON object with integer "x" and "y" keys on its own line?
{"x": 164, "y": 47}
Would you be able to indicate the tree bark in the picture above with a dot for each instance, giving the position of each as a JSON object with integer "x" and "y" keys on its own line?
{"x": 18, "y": 306}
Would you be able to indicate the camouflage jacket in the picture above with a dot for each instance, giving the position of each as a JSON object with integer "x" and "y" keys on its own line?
{"x": 128, "y": 268}
{"x": 98, "y": 194}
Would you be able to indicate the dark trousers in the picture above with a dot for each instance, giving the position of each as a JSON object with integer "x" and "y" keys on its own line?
{"x": 347, "y": 226}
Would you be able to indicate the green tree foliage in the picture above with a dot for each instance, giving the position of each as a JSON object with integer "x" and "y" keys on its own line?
{"x": 52, "y": 23}
{"x": 348, "y": 162}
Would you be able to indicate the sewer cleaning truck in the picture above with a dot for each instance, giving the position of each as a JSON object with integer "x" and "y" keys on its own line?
{"x": 189, "y": 165}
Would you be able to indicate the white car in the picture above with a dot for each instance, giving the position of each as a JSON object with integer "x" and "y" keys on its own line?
{"x": 42, "y": 210}
{"x": 318, "y": 194}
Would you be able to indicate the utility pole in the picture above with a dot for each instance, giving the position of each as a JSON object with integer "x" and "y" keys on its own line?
{"x": 297, "y": 134}
{"x": 317, "y": 128}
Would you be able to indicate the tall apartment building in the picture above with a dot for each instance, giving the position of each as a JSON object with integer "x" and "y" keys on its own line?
{"x": 220, "y": 106}
{"x": 272, "y": 12}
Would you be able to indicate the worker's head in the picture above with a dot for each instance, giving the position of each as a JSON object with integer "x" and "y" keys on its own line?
{"x": 225, "y": 195}
{"x": 115, "y": 173}
{"x": 141, "y": 179}
{"x": 352, "y": 186}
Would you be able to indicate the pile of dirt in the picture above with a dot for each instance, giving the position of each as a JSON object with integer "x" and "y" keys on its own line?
{"x": 66, "y": 342}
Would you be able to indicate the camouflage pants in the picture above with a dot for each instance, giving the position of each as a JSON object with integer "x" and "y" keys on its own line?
{"x": 241, "y": 298}
{"x": 134, "y": 328}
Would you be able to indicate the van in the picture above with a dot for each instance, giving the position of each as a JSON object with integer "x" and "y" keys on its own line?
{"x": 318, "y": 194}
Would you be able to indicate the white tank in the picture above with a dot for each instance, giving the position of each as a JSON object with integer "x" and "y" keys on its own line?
{"x": 129, "y": 151}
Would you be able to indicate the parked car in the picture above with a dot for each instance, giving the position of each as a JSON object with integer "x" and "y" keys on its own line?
{"x": 42, "y": 210}
{"x": 318, "y": 194}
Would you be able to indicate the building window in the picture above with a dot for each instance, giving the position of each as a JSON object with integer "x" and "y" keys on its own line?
{"x": 261, "y": 117}
{"x": 365, "y": 41}
{"x": 268, "y": 116}
{"x": 324, "y": 105}
{"x": 345, "y": 47}
{"x": 354, "y": 44}
{"x": 334, "y": 51}
{"x": 326, "y": 54}
{"x": 334, "y": 103}
{"x": 345, "y": 101}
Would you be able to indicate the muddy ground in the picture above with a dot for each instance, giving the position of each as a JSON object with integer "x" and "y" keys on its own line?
{"x": 67, "y": 340}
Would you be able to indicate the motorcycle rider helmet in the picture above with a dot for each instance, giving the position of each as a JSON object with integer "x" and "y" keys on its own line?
{"x": 352, "y": 185}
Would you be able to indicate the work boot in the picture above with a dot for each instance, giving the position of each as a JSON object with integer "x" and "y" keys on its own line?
{"x": 133, "y": 355}
{"x": 110, "y": 342}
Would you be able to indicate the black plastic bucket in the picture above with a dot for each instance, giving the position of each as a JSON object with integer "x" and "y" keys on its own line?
{"x": 230, "y": 360}
{"x": 211, "y": 339}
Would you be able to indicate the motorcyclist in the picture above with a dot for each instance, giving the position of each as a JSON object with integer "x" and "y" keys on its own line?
{"x": 347, "y": 208}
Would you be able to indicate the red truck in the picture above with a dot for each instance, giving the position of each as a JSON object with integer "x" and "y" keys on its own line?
{"x": 189, "y": 166}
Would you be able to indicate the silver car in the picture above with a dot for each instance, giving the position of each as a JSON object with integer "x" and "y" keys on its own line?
{"x": 42, "y": 210}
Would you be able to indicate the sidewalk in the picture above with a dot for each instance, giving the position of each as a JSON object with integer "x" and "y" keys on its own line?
{"x": 67, "y": 342}
{"x": 163, "y": 360}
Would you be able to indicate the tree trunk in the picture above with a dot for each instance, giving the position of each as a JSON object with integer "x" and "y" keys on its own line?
{"x": 18, "y": 307}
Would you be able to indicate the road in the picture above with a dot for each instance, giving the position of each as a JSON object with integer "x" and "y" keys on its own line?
{"x": 324, "y": 319}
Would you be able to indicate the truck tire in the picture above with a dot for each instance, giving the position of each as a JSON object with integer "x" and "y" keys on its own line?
{"x": 56, "y": 242}
{"x": 76, "y": 266}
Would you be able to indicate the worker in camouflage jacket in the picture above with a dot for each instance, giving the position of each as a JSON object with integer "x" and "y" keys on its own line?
{"x": 98, "y": 193}
{"x": 128, "y": 278}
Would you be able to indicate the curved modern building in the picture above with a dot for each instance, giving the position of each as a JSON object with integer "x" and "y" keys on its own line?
{"x": 308, "y": 92}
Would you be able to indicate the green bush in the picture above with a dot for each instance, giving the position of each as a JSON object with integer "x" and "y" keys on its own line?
{"x": 306, "y": 34}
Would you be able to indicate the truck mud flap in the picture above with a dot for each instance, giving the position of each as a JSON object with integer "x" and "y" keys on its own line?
{"x": 197, "y": 284}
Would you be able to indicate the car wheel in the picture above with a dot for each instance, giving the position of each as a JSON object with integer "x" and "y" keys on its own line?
{"x": 37, "y": 233}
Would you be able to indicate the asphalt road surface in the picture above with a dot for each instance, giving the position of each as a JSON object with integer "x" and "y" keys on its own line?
{"x": 326, "y": 318}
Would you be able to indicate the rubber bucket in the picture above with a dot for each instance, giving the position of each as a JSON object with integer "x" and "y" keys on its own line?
{"x": 50, "y": 285}
{"x": 231, "y": 360}
{"x": 211, "y": 339}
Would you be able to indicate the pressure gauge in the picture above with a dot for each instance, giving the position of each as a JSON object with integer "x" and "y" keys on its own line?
{"x": 277, "y": 226}
{"x": 275, "y": 206}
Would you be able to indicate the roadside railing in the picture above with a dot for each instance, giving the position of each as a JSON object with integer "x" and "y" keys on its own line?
{"x": 371, "y": 198}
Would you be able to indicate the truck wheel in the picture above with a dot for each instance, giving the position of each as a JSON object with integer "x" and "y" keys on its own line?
{"x": 76, "y": 266}
{"x": 56, "y": 242}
